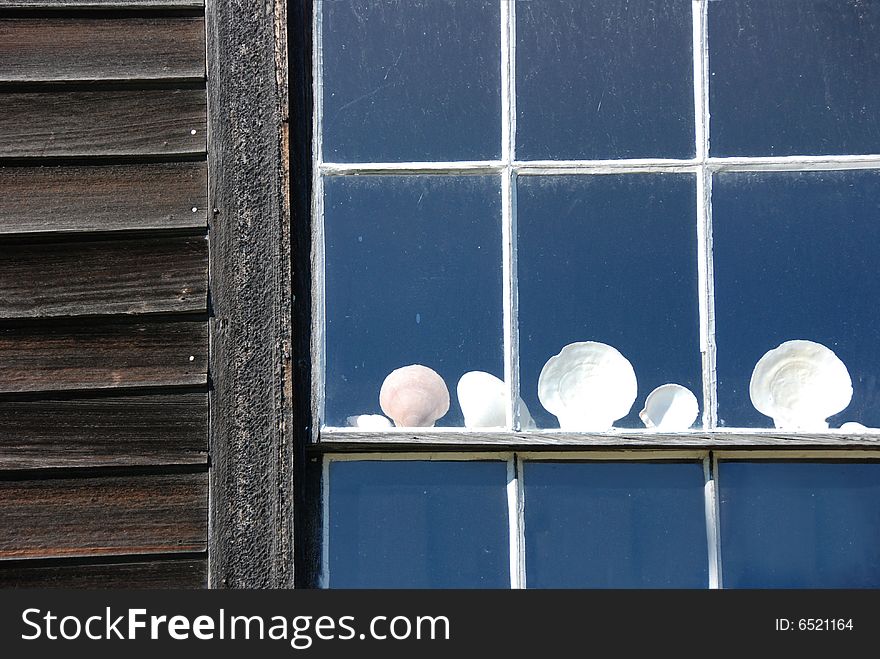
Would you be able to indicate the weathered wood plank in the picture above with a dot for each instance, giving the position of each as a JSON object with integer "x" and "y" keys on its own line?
{"x": 101, "y": 4}
{"x": 159, "y": 574}
{"x": 104, "y": 277}
{"x": 102, "y": 123}
{"x": 252, "y": 454}
{"x": 104, "y": 432}
{"x": 401, "y": 440}
{"x": 103, "y": 198}
{"x": 103, "y": 515}
{"x": 49, "y": 49}
{"x": 102, "y": 355}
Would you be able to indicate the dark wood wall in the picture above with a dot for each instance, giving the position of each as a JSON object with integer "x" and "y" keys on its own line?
{"x": 103, "y": 293}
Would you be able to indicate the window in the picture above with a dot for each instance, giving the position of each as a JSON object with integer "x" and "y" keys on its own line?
{"x": 591, "y": 285}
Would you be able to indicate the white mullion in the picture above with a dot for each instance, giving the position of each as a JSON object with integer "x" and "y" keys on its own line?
{"x": 324, "y": 576}
{"x": 713, "y": 530}
{"x": 516, "y": 530}
{"x": 317, "y": 340}
{"x": 705, "y": 269}
{"x": 794, "y": 163}
{"x": 508, "y": 213}
{"x": 435, "y": 167}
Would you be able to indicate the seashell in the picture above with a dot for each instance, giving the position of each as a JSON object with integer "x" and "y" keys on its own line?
{"x": 588, "y": 386}
{"x": 414, "y": 396}
{"x": 670, "y": 407}
{"x": 854, "y": 428}
{"x": 369, "y": 421}
{"x": 799, "y": 385}
{"x": 483, "y": 401}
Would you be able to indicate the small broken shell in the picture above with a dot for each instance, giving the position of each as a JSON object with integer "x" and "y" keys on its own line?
{"x": 670, "y": 407}
{"x": 369, "y": 421}
{"x": 854, "y": 428}
{"x": 414, "y": 396}
{"x": 588, "y": 386}
{"x": 799, "y": 385}
{"x": 483, "y": 401}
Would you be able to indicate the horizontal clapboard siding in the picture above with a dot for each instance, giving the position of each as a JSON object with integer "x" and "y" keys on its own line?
{"x": 156, "y": 574}
{"x": 102, "y": 355}
{"x": 102, "y": 123}
{"x": 104, "y": 277}
{"x": 166, "y": 429}
{"x": 103, "y": 515}
{"x": 79, "y": 49}
{"x": 61, "y": 199}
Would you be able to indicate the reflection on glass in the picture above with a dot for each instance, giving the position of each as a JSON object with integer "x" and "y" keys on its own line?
{"x": 615, "y": 525}
{"x": 602, "y": 79}
{"x": 800, "y": 524}
{"x": 794, "y": 78}
{"x": 795, "y": 257}
{"x": 416, "y": 524}
{"x": 411, "y": 81}
{"x": 413, "y": 276}
{"x": 610, "y": 259}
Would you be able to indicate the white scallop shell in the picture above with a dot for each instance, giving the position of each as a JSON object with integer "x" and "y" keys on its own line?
{"x": 414, "y": 396}
{"x": 588, "y": 386}
{"x": 670, "y": 407}
{"x": 799, "y": 385}
{"x": 483, "y": 401}
{"x": 854, "y": 428}
{"x": 369, "y": 421}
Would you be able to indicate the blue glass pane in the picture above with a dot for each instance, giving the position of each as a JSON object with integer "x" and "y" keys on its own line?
{"x": 403, "y": 524}
{"x": 411, "y": 81}
{"x": 800, "y": 524}
{"x": 610, "y": 258}
{"x": 413, "y": 276}
{"x": 796, "y": 258}
{"x": 604, "y": 79}
{"x": 794, "y": 77}
{"x": 615, "y": 525}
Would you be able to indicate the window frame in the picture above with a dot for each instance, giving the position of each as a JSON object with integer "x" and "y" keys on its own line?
{"x": 267, "y": 449}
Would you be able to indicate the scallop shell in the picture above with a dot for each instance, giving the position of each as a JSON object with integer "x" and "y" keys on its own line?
{"x": 670, "y": 407}
{"x": 483, "y": 401}
{"x": 854, "y": 428}
{"x": 588, "y": 386}
{"x": 799, "y": 385}
{"x": 414, "y": 396}
{"x": 369, "y": 421}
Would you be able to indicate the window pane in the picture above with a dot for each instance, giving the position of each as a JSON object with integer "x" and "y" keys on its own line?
{"x": 612, "y": 259}
{"x": 800, "y": 524}
{"x": 615, "y": 525}
{"x": 402, "y": 524}
{"x": 602, "y": 79}
{"x": 411, "y": 81}
{"x": 413, "y": 277}
{"x": 794, "y": 77}
{"x": 796, "y": 258}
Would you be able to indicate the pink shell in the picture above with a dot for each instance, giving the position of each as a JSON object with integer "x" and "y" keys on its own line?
{"x": 414, "y": 396}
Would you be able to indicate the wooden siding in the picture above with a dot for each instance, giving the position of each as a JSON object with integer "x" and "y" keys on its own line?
{"x": 55, "y": 49}
{"x": 103, "y": 294}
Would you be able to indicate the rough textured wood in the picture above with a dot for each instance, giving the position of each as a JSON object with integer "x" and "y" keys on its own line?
{"x": 103, "y": 198}
{"x": 252, "y": 480}
{"x": 103, "y": 515}
{"x": 349, "y": 440}
{"x": 104, "y": 432}
{"x": 102, "y": 123}
{"x": 104, "y": 277}
{"x": 102, "y": 4}
{"x": 157, "y": 574}
{"x": 125, "y": 48}
{"x": 100, "y": 355}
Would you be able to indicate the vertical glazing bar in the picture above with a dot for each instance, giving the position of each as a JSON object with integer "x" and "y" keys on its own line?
{"x": 508, "y": 210}
{"x": 324, "y": 578}
{"x": 318, "y": 344}
{"x": 713, "y": 517}
{"x": 515, "y": 514}
{"x": 705, "y": 281}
